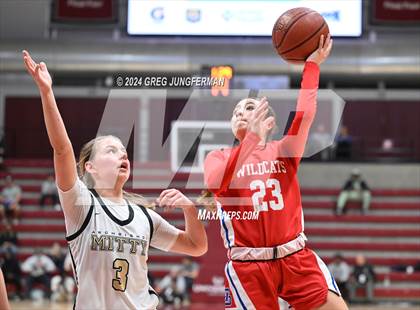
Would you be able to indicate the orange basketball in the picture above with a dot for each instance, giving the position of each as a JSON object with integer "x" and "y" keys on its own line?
{"x": 296, "y": 34}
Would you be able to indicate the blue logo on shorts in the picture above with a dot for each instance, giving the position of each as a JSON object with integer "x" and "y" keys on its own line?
{"x": 228, "y": 298}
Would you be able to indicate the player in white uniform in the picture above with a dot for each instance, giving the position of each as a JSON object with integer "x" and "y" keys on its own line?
{"x": 109, "y": 231}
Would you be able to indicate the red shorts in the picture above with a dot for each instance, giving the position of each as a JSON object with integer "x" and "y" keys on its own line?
{"x": 302, "y": 279}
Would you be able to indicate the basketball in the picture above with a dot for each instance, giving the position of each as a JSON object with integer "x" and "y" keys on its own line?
{"x": 296, "y": 34}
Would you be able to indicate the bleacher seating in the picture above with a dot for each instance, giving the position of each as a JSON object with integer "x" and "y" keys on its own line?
{"x": 388, "y": 236}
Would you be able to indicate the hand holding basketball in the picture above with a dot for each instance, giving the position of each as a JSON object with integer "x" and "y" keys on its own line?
{"x": 39, "y": 72}
{"x": 324, "y": 49}
{"x": 296, "y": 34}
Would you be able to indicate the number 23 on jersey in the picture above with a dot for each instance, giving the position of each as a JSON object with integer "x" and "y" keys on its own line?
{"x": 259, "y": 199}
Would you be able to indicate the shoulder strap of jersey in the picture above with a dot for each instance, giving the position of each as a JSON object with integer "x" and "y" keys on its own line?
{"x": 150, "y": 221}
{"x": 85, "y": 222}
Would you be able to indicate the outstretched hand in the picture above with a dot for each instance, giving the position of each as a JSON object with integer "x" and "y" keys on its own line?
{"x": 323, "y": 50}
{"x": 38, "y": 71}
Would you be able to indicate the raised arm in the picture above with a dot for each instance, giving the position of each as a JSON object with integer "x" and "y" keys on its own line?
{"x": 293, "y": 144}
{"x": 64, "y": 160}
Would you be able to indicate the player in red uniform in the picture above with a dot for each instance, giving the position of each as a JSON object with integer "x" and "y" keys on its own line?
{"x": 267, "y": 257}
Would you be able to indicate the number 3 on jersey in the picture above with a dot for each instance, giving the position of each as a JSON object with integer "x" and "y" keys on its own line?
{"x": 119, "y": 283}
{"x": 261, "y": 190}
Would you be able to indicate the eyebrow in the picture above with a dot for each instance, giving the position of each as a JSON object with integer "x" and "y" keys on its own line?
{"x": 114, "y": 147}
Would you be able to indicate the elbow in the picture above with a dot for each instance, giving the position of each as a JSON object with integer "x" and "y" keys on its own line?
{"x": 199, "y": 250}
{"x": 196, "y": 246}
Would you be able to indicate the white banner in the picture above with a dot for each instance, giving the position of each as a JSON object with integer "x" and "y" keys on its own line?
{"x": 234, "y": 17}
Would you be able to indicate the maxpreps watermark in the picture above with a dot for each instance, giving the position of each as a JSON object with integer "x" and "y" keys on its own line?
{"x": 169, "y": 81}
{"x": 206, "y": 215}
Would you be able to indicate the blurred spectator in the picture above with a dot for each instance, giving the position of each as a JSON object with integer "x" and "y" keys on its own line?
{"x": 355, "y": 189}
{"x": 8, "y": 240}
{"x": 9, "y": 199}
{"x": 38, "y": 266}
{"x": 364, "y": 277}
{"x": 340, "y": 271}
{"x": 57, "y": 256}
{"x": 12, "y": 272}
{"x": 189, "y": 271}
{"x": 62, "y": 285}
{"x": 49, "y": 191}
{"x": 172, "y": 288}
{"x": 409, "y": 269}
{"x": 343, "y": 144}
{"x": 320, "y": 140}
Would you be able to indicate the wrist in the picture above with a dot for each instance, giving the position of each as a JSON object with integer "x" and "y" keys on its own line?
{"x": 46, "y": 90}
{"x": 313, "y": 62}
{"x": 188, "y": 207}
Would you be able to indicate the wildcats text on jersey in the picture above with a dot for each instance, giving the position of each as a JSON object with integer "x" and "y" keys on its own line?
{"x": 264, "y": 167}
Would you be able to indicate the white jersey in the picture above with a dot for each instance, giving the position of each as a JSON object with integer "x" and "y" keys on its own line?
{"x": 109, "y": 246}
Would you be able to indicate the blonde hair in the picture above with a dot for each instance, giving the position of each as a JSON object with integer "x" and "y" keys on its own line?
{"x": 88, "y": 152}
{"x": 206, "y": 200}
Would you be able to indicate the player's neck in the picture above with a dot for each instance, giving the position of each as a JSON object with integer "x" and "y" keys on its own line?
{"x": 115, "y": 194}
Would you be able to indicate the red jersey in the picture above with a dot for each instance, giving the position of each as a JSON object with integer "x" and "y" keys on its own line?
{"x": 252, "y": 177}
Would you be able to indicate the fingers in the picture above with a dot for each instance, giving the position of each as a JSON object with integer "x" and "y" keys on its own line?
{"x": 27, "y": 56}
{"x": 37, "y": 69}
{"x": 261, "y": 110}
{"x": 263, "y": 114}
{"x": 321, "y": 42}
{"x": 29, "y": 65}
{"x": 168, "y": 196}
{"x": 174, "y": 202}
{"x": 329, "y": 46}
{"x": 166, "y": 193}
{"x": 269, "y": 122}
{"x": 172, "y": 198}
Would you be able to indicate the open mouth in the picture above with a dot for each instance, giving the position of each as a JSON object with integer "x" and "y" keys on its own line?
{"x": 124, "y": 165}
